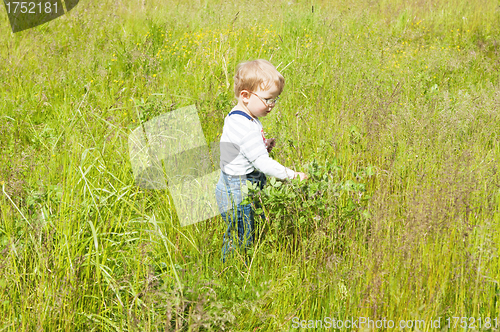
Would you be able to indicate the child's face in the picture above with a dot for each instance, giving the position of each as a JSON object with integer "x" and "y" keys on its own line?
{"x": 255, "y": 101}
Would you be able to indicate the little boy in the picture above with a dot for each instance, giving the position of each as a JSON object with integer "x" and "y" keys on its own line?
{"x": 245, "y": 150}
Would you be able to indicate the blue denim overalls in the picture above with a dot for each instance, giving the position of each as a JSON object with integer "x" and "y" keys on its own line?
{"x": 239, "y": 217}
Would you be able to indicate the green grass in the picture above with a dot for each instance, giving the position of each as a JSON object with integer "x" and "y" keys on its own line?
{"x": 392, "y": 107}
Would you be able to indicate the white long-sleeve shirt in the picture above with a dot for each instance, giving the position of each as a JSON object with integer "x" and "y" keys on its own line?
{"x": 243, "y": 148}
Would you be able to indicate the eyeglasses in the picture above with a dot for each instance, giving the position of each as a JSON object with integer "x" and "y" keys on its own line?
{"x": 268, "y": 102}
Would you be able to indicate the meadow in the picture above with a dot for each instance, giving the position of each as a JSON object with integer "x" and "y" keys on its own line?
{"x": 392, "y": 107}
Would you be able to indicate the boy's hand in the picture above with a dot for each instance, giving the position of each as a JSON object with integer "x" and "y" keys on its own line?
{"x": 302, "y": 176}
{"x": 270, "y": 143}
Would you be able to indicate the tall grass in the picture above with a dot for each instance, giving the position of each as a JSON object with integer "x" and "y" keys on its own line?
{"x": 392, "y": 106}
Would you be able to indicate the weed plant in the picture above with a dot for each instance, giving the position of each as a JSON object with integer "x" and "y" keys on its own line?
{"x": 391, "y": 106}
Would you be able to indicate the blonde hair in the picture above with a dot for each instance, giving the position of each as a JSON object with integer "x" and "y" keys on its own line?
{"x": 255, "y": 74}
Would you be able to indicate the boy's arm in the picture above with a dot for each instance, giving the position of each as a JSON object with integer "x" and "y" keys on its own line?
{"x": 254, "y": 149}
{"x": 271, "y": 167}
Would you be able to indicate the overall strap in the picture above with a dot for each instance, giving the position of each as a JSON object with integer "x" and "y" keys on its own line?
{"x": 241, "y": 113}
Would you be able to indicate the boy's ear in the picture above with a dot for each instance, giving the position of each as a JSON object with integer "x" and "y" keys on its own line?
{"x": 244, "y": 94}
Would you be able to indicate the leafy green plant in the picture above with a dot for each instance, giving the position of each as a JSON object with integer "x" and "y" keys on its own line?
{"x": 326, "y": 201}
